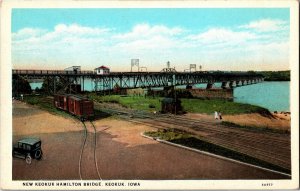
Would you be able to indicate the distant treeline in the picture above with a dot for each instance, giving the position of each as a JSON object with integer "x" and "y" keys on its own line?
{"x": 275, "y": 75}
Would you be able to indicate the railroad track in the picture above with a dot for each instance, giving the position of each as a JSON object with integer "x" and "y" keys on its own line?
{"x": 95, "y": 146}
{"x": 218, "y": 129}
{"x": 278, "y": 138}
{"x": 243, "y": 144}
{"x": 253, "y": 137}
{"x": 267, "y": 146}
{"x": 83, "y": 147}
{"x": 49, "y": 100}
{"x": 258, "y": 141}
{"x": 214, "y": 128}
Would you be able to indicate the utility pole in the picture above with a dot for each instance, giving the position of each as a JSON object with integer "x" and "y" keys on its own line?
{"x": 135, "y": 62}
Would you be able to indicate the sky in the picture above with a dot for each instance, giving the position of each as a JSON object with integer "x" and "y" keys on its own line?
{"x": 214, "y": 38}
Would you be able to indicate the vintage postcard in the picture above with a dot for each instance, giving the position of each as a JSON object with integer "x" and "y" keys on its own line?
{"x": 149, "y": 95}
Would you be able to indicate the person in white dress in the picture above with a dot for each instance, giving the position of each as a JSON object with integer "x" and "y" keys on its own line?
{"x": 216, "y": 115}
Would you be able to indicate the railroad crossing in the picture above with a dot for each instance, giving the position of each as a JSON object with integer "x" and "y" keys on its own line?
{"x": 130, "y": 80}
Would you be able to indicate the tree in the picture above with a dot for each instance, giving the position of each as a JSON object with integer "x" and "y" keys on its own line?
{"x": 20, "y": 86}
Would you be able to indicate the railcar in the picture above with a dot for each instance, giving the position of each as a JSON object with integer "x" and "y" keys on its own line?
{"x": 76, "y": 105}
{"x": 60, "y": 102}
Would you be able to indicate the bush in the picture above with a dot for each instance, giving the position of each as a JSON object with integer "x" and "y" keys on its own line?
{"x": 151, "y": 105}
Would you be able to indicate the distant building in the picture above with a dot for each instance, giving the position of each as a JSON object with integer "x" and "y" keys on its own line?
{"x": 102, "y": 70}
{"x": 73, "y": 69}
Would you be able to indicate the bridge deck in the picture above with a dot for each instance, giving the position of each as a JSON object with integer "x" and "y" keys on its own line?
{"x": 92, "y": 73}
{"x": 141, "y": 79}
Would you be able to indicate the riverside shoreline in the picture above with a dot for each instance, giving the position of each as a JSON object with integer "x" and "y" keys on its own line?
{"x": 276, "y": 121}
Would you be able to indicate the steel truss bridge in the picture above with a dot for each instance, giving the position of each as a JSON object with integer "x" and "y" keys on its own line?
{"x": 130, "y": 80}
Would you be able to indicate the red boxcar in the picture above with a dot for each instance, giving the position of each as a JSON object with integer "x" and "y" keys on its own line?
{"x": 61, "y": 102}
{"x": 76, "y": 105}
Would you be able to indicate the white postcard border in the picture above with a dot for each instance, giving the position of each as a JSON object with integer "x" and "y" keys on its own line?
{"x": 6, "y": 89}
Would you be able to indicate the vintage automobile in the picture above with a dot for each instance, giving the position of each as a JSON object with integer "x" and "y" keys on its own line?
{"x": 28, "y": 149}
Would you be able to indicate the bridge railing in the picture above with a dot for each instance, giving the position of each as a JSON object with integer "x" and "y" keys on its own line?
{"x": 193, "y": 77}
{"x": 50, "y": 72}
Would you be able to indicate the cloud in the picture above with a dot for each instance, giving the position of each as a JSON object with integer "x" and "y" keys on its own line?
{"x": 66, "y": 45}
{"x": 77, "y": 30}
{"x": 146, "y": 44}
{"x": 60, "y": 38}
{"x": 26, "y": 33}
{"x": 144, "y": 37}
{"x": 147, "y": 31}
{"x": 222, "y": 36}
{"x": 60, "y": 32}
{"x": 266, "y": 25}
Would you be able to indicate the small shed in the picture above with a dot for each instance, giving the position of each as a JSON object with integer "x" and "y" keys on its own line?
{"x": 171, "y": 105}
{"x": 74, "y": 69}
{"x": 102, "y": 70}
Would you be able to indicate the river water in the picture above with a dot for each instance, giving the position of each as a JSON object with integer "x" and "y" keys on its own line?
{"x": 274, "y": 96}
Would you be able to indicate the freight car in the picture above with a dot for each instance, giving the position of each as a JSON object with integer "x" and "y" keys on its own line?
{"x": 76, "y": 105}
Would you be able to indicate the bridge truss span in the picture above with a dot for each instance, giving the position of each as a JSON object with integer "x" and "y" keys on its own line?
{"x": 130, "y": 80}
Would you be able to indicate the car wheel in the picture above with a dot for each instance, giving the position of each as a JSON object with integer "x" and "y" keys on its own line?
{"x": 38, "y": 154}
{"x": 28, "y": 159}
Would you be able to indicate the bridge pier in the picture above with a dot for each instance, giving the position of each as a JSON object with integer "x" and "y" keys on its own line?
{"x": 48, "y": 88}
{"x": 242, "y": 83}
{"x": 83, "y": 83}
{"x": 231, "y": 84}
{"x": 209, "y": 85}
{"x": 54, "y": 85}
{"x": 224, "y": 84}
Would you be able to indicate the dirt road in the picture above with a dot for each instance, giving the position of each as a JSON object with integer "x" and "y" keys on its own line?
{"x": 121, "y": 152}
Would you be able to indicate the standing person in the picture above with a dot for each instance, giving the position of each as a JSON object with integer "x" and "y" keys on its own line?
{"x": 216, "y": 115}
{"x": 220, "y": 115}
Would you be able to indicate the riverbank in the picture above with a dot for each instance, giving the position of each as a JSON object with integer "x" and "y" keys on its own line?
{"x": 278, "y": 122}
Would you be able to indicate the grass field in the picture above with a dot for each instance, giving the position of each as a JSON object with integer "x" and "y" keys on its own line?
{"x": 154, "y": 104}
{"x": 45, "y": 103}
{"x": 189, "y": 105}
